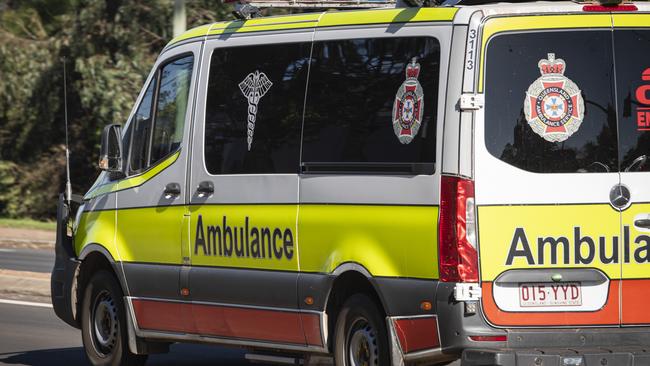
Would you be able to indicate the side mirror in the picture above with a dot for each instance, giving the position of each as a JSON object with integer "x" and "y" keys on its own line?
{"x": 110, "y": 153}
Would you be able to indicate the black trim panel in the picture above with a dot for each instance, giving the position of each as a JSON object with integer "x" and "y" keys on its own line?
{"x": 153, "y": 280}
{"x": 266, "y": 288}
{"x": 316, "y": 285}
{"x": 403, "y": 296}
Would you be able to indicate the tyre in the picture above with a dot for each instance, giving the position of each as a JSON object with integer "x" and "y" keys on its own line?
{"x": 360, "y": 336}
{"x": 103, "y": 324}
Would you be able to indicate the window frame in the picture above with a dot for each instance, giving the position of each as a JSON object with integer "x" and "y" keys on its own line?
{"x": 381, "y": 168}
{"x": 250, "y": 43}
{"x": 484, "y": 72}
{"x": 156, "y": 79}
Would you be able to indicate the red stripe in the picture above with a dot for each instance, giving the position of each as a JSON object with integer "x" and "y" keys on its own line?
{"x": 159, "y": 315}
{"x": 311, "y": 327}
{"x": 417, "y": 333}
{"x": 635, "y": 302}
{"x": 230, "y": 322}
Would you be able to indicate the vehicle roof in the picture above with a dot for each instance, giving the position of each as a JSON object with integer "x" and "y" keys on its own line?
{"x": 384, "y": 16}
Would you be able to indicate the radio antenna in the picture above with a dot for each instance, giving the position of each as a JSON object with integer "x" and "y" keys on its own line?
{"x": 68, "y": 185}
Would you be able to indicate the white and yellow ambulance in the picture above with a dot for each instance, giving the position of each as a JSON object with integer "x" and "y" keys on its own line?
{"x": 382, "y": 187}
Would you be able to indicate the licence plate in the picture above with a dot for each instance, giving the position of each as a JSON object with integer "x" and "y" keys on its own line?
{"x": 550, "y": 294}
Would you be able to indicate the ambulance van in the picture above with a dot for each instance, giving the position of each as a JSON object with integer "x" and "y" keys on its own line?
{"x": 377, "y": 187}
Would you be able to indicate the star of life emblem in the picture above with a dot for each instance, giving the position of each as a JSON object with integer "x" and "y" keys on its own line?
{"x": 408, "y": 106}
{"x": 254, "y": 86}
{"x": 554, "y": 107}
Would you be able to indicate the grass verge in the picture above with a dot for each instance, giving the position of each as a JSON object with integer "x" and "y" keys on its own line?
{"x": 27, "y": 224}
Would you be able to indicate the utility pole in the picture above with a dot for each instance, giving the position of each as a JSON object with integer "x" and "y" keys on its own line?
{"x": 180, "y": 19}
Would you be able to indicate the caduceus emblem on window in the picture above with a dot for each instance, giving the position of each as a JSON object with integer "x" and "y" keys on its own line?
{"x": 254, "y": 86}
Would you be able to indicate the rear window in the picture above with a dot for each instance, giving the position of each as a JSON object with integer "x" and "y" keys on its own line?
{"x": 550, "y": 105}
{"x": 371, "y": 106}
{"x": 632, "y": 50}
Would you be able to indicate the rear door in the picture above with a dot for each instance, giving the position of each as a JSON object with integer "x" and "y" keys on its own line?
{"x": 546, "y": 161}
{"x": 632, "y": 60}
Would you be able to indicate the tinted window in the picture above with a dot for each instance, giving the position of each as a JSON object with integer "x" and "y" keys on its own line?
{"x": 139, "y": 130}
{"x": 633, "y": 93}
{"x": 254, "y": 108}
{"x": 171, "y": 107}
{"x": 364, "y": 112}
{"x": 578, "y": 89}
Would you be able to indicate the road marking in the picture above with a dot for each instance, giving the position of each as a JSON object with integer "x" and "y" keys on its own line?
{"x": 25, "y": 303}
{"x": 7, "y": 250}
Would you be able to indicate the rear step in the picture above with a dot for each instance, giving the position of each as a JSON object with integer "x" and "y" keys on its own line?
{"x": 279, "y": 359}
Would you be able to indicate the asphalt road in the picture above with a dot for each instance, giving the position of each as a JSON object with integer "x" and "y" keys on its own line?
{"x": 34, "y": 260}
{"x": 35, "y": 336}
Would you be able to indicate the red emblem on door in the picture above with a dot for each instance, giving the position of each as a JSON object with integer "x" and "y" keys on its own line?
{"x": 409, "y": 104}
{"x": 643, "y": 98}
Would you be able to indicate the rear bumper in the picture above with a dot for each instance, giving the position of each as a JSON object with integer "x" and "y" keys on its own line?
{"x": 535, "y": 347}
{"x": 628, "y": 356}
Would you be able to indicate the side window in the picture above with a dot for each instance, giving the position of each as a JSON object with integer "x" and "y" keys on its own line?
{"x": 254, "y": 108}
{"x": 139, "y": 132}
{"x": 632, "y": 49}
{"x": 371, "y": 106}
{"x": 171, "y": 107}
{"x": 549, "y": 101}
{"x": 157, "y": 126}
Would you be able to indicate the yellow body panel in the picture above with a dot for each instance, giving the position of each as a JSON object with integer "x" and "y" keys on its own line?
{"x": 639, "y": 243}
{"x": 631, "y": 20}
{"x": 327, "y": 19}
{"x": 96, "y": 227}
{"x": 201, "y": 31}
{"x": 404, "y": 15}
{"x": 134, "y": 181}
{"x": 395, "y": 241}
{"x": 498, "y": 234}
{"x": 497, "y": 25}
{"x": 265, "y": 24}
{"x": 151, "y": 235}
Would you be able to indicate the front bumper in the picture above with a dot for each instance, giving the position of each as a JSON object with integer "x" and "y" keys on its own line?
{"x": 64, "y": 271}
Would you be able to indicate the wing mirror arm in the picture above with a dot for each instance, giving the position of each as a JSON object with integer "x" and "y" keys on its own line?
{"x": 110, "y": 154}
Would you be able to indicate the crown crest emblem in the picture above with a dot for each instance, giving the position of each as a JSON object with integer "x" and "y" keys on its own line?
{"x": 413, "y": 69}
{"x": 409, "y": 105}
{"x": 551, "y": 66}
{"x": 553, "y": 105}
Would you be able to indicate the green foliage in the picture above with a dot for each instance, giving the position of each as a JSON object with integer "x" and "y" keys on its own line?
{"x": 109, "y": 47}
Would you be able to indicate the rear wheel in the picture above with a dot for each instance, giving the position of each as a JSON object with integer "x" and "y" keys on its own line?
{"x": 103, "y": 324}
{"x": 360, "y": 337}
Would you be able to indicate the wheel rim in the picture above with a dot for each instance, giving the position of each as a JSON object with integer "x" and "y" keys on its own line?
{"x": 362, "y": 344}
{"x": 104, "y": 323}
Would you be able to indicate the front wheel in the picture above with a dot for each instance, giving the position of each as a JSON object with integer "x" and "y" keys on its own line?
{"x": 360, "y": 337}
{"x": 103, "y": 324}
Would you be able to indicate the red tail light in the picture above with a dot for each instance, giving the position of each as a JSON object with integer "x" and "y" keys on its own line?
{"x": 457, "y": 255}
{"x": 607, "y": 9}
{"x": 489, "y": 338}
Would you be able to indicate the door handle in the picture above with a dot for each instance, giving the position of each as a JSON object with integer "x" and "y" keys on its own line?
{"x": 172, "y": 189}
{"x": 205, "y": 188}
{"x": 642, "y": 223}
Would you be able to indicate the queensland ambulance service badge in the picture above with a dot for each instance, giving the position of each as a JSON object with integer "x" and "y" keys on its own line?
{"x": 409, "y": 105}
{"x": 554, "y": 107}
